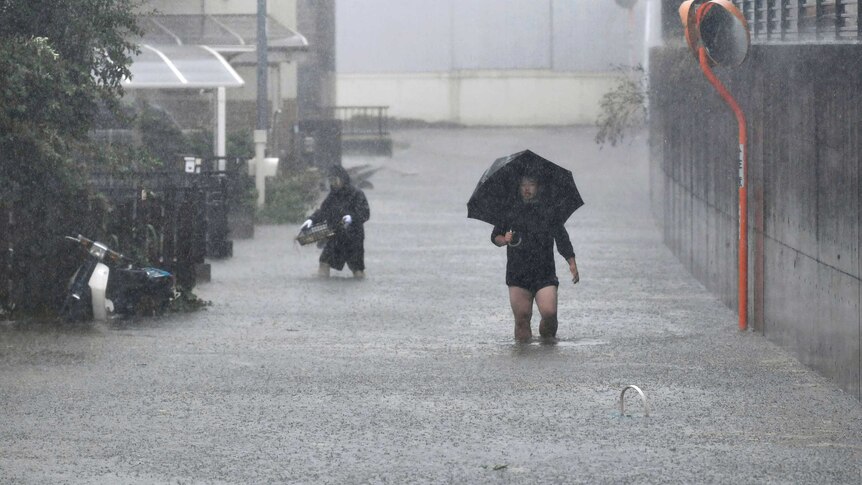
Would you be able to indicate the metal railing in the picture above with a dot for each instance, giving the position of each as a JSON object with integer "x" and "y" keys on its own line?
{"x": 364, "y": 129}
{"x": 361, "y": 120}
{"x": 802, "y": 21}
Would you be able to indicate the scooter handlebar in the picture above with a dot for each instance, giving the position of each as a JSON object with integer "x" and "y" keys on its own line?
{"x": 109, "y": 253}
{"x": 81, "y": 240}
{"x": 119, "y": 257}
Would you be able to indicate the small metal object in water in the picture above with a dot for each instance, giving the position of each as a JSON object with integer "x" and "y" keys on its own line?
{"x": 623, "y": 400}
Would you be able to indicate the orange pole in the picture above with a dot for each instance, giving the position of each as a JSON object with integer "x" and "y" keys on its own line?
{"x": 743, "y": 195}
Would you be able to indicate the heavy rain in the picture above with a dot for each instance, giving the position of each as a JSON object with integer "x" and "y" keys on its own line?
{"x": 399, "y": 241}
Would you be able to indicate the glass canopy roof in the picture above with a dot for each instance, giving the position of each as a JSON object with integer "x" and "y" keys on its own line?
{"x": 180, "y": 66}
{"x": 190, "y": 51}
{"x": 224, "y": 33}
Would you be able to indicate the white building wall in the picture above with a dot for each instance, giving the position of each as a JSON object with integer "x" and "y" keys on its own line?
{"x": 488, "y": 62}
{"x": 284, "y": 11}
{"x": 481, "y": 98}
{"x": 416, "y": 96}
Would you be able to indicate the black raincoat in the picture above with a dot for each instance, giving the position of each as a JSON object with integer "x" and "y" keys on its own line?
{"x": 348, "y": 244}
{"x": 530, "y": 261}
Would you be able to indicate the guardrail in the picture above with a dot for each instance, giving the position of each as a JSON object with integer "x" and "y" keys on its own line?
{"x": 364, "y": 129}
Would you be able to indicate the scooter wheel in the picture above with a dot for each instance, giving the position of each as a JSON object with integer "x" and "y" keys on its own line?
{"x": 75, "y": 310}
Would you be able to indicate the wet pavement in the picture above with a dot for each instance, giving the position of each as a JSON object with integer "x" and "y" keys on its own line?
{"x": 412, "y": 374}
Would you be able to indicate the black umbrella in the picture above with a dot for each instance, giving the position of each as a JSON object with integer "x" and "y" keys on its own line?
{"x": 497, "y": 191}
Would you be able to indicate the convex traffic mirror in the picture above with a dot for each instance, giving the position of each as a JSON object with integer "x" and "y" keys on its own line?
{"x": 719, "y": 27}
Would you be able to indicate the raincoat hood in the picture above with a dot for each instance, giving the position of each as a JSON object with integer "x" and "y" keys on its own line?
{"x": 338, "y": 171}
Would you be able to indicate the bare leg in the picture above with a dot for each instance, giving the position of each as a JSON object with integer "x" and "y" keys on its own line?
{"x": 546, "y": 300}
{"x": 522, "y": 309}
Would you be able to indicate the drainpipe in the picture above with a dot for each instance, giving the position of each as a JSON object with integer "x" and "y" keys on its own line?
{"x": 221, "y": 132}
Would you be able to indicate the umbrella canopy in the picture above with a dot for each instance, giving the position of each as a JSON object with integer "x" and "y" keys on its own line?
{"x": 496, "y": 194}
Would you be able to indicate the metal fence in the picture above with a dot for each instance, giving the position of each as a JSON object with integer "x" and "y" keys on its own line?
{"x": 159, "y": 215}
{"x": 171, "y": 219}
{"x": 802, "y": 21}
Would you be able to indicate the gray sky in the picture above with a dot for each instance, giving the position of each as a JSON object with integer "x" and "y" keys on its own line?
{"x": 443, "y": 35}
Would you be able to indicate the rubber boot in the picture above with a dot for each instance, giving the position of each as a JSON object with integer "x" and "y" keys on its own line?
{"x": 323, "y": 270}
{"x": 359, "y": 274}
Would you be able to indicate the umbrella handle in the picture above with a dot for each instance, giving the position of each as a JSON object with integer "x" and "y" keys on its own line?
{"x": 519, "y": 239}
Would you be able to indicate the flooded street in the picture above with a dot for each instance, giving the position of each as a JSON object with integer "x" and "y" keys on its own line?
{"x": 412, "y": 375}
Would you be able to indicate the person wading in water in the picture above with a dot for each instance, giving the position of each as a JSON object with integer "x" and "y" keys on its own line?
{"x": 346, "y": 210}
{"x": 530, "y": 269}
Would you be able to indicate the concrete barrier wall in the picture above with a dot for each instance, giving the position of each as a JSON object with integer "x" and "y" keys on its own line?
{"x": 803, "y": 108}
{"x": 481, "y": 98}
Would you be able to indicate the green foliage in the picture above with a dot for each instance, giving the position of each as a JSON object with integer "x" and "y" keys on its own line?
{"x": 186, "y": 301}
{"x": 124, "y": 158}
{"x": 623, "y": 108}
{"x": 73, "y": 55}
{"x": 160, "y": 136}
{"x": 289, "y": 197}
{"x": 34, "y": 137}
{"x": 239, "y": 144}
{"x": 59, "y": 61}
{"x": 152, "y": 140}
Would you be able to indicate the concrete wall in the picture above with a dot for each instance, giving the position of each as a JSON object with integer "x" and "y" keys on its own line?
{"x": 487, "y": 62}
{"x": 462, "y": 35}
{"x": 487, "y": 98}
{"x": 805, "y": 192}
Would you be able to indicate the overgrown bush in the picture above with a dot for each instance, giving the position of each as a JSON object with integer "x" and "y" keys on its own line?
{"x": 160, "y": 136}
{"x": 58, "y": 62}
{"x": 290, "y": 197}
{"x": 238, "y": 144}
{"x": 623, "y": 108}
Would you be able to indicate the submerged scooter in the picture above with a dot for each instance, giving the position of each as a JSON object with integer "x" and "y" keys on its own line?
{"x": 107, "y": 283}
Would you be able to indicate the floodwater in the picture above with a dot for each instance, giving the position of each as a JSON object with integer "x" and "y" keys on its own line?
{"x": 412, "y": 374}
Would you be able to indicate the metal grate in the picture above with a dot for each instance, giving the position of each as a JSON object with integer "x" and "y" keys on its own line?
{"x": 801, "y": 21}
{"x": 316, "y": 233}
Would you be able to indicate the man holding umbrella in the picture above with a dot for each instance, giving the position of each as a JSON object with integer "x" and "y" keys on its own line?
{"x": 528, "y": 200}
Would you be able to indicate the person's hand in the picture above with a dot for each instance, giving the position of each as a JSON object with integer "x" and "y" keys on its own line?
{"x": 575, "y": 276}
{"x": 306, "y": 224}
{"x": 346, "y": 220}
{"x": 507, "y": 238}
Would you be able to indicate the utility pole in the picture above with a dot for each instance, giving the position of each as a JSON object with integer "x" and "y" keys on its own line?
{"x": 262, "y": 105}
